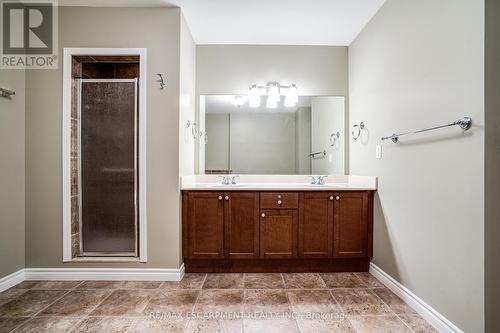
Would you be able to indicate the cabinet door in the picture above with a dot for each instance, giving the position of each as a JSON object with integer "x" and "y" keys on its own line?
{"x": 241, "y": 223}
{"x": 278, "y": 233}
{"x": 350, "y": 224}
{"x": 316, "y": 225}
{"x": 205, "y": 221}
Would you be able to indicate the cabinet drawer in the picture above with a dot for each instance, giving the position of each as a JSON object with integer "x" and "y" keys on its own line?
{"x": 279, "y": 200}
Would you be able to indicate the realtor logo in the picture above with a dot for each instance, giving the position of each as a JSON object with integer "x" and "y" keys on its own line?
{"x": 29, "y": 34}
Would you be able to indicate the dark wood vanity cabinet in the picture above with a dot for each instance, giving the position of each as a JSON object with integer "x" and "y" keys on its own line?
{"x": 241, "y": 230}
{"x": 316, "y": 225}
{"x": 203, "y": 224}
{"x": 277, "y": 231}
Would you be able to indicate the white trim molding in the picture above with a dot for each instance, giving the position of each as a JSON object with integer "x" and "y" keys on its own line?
{"x": 425, "y": 310}
{"x": 118, "y": 274}
{"x": 66, "y": 149}
{"x": 11, "y": 280}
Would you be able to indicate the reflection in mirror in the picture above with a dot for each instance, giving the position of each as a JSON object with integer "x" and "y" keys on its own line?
{"x": 307, "y": 138}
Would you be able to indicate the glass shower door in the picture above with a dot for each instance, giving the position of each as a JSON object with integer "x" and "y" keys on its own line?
{"x": 107, "y": 156}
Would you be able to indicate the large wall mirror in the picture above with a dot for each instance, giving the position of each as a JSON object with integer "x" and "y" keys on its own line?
{"x": 308, "y": 138}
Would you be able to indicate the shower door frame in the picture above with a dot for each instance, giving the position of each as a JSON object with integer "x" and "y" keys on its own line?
{"x": 80, "y": 167}
{"x": 67, "y": 243}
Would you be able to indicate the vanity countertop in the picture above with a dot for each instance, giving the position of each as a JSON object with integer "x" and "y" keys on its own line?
{"x": 278, "y": 183}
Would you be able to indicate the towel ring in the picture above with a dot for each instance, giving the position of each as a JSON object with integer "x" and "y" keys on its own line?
{"x": 334, "y": 137}
{"x": 360, "y": 127}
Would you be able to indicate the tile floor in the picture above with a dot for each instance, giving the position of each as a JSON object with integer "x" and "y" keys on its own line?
{"x": 330, "y": 302}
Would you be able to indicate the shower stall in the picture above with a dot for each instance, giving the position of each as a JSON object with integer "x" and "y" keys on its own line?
{"x": 107, "y": 166}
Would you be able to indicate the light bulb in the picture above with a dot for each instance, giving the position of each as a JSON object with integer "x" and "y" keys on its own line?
{"x": 238, "y": 101}
{"x": 272, "y": 103}
{"x": 292, "y": 97}
{"x": 273, "y": 93}
{"x": 254, "y": 100}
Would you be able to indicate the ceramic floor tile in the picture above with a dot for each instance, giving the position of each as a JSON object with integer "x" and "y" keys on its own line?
{"x": 303, "y": 281}
{"x": 325, "y": 326}
{"x": 172, "y": 301}
{"x": 140, "y": 284}
{"x": 359, "y": 302}
{"x": 214, "y": 325}
{"x": 104, "y": 324}
{"x": 393, "y": 301}
{"x": 49, "y": 325}
{"x": 64, "y": 285}
{"x": 100, "y": 285}
{"x": 148, "y": 325}
{"x": 312, "y": 302}
{"x": 224, "y": 281}
{"x": 76, "y": 303}
{"x": 379, "y": 324}
{"x": 8, "y": 324}
{"x": 218, "y": 300}
{"x": 11, "y": 294}
{"x": 27, "y": 284}
{"x": 342, "y": 280}
{"x": 124, "y": 303}
{"x": 369, "y": 280}
{"x": 417, "y": 323}
{"x": 30, "y": 303}
{"x": 263, "y": 281}
{"x": 266, "y": 301}
{"x": 270, "y": 326}
{"x": 189, "y": 281}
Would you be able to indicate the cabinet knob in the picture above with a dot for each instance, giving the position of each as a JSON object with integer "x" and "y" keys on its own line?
{"x": 220, "y": 197}
{"x": 331, "y": 198}
{"x": 337, "y": 198}
{"x": 227, "y": 198}
{"x": 280, "y": 202}
{"x": 279, "y": 196}
{"x": 263, "y": 215}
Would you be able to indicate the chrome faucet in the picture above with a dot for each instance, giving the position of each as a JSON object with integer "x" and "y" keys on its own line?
{"x": 318, "y": 181}
{"x": 321, "y": 180}
{"x": 228, "y": 180}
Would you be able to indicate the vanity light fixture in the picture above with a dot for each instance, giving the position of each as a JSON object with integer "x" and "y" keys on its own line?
{"x": 273, "y": 91}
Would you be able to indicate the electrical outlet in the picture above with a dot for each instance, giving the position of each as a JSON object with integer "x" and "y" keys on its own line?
{"x": 378, "y": 151}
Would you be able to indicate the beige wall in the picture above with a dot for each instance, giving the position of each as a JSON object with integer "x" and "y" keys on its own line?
{"x": 187, "y": 99}
{"x": 420, "y": 63}
{"x": 158, "y": 30}
{"x": 12, "y": 178}
{"x": 492, "y": 167}
{"x": 262, "y": 143}
{"x": 303, "y": 140}
{"x": 217, "y": 148}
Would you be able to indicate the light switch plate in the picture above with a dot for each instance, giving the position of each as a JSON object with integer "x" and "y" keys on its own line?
{"x": 378, "y": 151}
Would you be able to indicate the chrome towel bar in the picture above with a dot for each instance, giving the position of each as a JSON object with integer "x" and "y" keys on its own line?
{"x": 319, "y": 154}
{"x": 465, "y": 123}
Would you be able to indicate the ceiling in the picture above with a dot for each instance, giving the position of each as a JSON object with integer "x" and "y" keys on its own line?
{"x": 265, "y": 22}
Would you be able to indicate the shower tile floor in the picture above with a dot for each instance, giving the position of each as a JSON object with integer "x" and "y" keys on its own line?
{"x": 316, "y": 303}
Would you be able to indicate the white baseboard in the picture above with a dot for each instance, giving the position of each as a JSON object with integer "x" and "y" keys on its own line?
{"x": 11, "y": 280}
{"x": 122, "y": 274}
{"x": 425, "y": 310}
